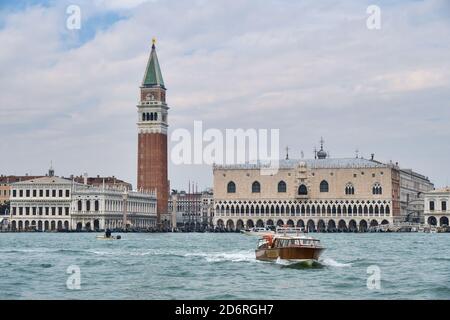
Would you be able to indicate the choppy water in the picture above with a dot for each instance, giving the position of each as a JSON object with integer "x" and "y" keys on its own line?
{"x": 220, "y": 266}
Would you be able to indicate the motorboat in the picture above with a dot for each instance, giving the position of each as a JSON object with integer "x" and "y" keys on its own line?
{"x": 288, "y": 244}
{"x": 108, "y": 238}
{"x": 257, "y": 231}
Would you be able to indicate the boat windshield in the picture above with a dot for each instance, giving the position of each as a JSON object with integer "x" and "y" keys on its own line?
{"x": 290, "y": 230}
{"x": 297, "y": 242}
{"x": 263, "y": 243}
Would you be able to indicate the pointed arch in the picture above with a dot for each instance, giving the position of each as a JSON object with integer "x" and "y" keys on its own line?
{"x": 282, "y": 186}
{"x": 377, "y": 189}
{"x": 324, "y": 187}
{"x": 256, "y": 187}
{"x": 349, "y": 189}
{"x": 231, "y": 187}
{"x": 302, "y": 190}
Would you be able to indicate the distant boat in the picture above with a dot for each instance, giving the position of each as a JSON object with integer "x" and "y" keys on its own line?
{"x": 108, "y": 238}
{"x": 258, "y": 231}
{"x": 290, "y": 244}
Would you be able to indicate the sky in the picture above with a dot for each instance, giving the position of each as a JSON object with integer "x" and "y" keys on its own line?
{"x": 308, "y": 68}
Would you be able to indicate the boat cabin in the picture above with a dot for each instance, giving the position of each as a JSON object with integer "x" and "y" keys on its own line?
{"x": 268, "y": 242}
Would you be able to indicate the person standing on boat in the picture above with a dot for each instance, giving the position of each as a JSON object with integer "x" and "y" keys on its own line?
{"x": 108, "y": 233}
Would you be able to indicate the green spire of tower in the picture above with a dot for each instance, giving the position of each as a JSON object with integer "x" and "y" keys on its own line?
{"x": 153, "y": 76}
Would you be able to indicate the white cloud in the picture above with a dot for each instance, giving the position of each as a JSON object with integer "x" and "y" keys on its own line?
{"x": 310, "y": 69}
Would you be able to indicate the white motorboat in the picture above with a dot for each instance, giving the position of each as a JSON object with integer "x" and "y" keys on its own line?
{"x": 258, "y": 231}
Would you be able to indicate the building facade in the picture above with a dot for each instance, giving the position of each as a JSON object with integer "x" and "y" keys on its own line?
{"x": 98, "y": 181}
{"x": 437, "y": 211}
{"x": 191, "y": 211}
{"x": 186, "y": 208}
{"x": 412, "y": 189}
{"x": 41, "y": 204}
{"x": 208, "y": 208}
{"x": 100, "y": 208}
{"x": 152, "y": 134}
{"x": 55, "y": 204}
{"x": 321, "y": 194}
{"x": 5, "y": 185}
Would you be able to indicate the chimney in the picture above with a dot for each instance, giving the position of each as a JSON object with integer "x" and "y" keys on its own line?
{"x": 85, "y": 178}
{"x": 372, "y": 156}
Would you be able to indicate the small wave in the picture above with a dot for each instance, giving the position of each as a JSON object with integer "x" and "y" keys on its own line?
{"x": 333, "y": 263}
{"x": 440, "y": 259}
{"x": 102, "y": 253}
{"x": 46, "y": 265}
{"x": 35, "y": 250}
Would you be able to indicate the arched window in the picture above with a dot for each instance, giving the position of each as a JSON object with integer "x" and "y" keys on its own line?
{"x": 231, "y": 187}
{"x": 80, "y": 204}
{"x": 281, "y": 186}
{"x": 88, "y": 205}
{"x": 349, "y": 189}
{"x": 155, "y": 117}
{"x": 256, "y": 187}
{"x": 377, "y": 189}
{"x": 96, "y": 206}
{"x": 143, "y": 116}
{"x": 302, "y": 190}
{"x": 151, "y": 116}
{"x": 324, "y": 186}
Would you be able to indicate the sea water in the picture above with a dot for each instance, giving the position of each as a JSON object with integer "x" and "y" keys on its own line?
{"x": 221, "y": 266}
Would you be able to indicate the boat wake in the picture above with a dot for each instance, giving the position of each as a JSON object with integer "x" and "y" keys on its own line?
{"x": 333, "y": 263}
{"x": 304, "y": 264}
{"x": 239, "y": 256}
{"x": 311, "y": 264}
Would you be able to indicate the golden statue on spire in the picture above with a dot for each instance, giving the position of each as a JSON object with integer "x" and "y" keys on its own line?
{"x": 153, "y": 41}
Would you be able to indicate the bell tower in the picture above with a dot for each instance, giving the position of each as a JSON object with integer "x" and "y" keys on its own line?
{"x": 152, "y": 134}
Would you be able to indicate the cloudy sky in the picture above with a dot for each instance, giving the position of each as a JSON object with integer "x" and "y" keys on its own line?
{"x": 310, "y": 68}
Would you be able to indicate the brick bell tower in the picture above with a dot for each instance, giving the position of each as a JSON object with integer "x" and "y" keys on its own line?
{"x": 152, "y": 134}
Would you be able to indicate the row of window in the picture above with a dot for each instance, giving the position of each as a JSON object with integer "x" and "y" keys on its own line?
{"x": 304, "y": 209}
{"x": 47, "y": 211}
{"x": 443, "y": 206}
{"x": 88, "y": 205}
{"x": 115, "y": 206}
{"x": 303, "y": 190}
{"x": 149, "y": 116}
{"x": 40, "y": 193}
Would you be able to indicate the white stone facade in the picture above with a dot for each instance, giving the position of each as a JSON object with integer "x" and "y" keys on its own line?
{"x": 57, "y": 204}
{"x": 41, "y": 204}
{"x": 437, "y": 211}
{"x": 97, "y": 208}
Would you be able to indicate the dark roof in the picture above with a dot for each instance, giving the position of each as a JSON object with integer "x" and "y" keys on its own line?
{"x": 14, "y": 179}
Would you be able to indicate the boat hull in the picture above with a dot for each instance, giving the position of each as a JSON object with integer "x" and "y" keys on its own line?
{"x": 261, "y": 233}
{"x": 291, "y": 253}
{"x": 107, "y": 239}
